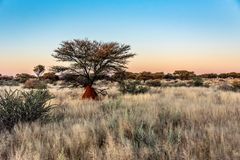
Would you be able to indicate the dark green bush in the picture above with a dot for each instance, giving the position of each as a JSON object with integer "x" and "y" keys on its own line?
{"x": 198, "y": 82}
{"x": 35, "y": 84}
{"x": 17, "y": 106}
{"x": 132, "y": 87}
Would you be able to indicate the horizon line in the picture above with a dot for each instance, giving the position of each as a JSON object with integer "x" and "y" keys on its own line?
{"x": 197, "y": 73}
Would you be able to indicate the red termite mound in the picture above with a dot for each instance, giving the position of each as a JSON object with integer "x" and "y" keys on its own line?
{"x": 90, "y": 93}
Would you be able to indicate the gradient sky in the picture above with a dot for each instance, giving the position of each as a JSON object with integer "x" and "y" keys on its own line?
{"x": 167, "y": 35}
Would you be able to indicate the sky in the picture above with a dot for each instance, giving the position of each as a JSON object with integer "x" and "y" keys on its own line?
{"x": 167, "y": 35}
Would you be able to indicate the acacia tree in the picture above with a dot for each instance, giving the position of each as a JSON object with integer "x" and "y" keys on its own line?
{"x": 39, "y": 70}
{"x": 92, "y": 60}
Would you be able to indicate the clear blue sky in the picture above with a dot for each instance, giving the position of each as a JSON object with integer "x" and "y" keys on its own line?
{"x": 199, "y": 35}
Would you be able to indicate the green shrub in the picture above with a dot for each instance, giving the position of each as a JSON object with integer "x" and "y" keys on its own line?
{"x": 154, "y": 83}
{"x": 198, "y": 82}
{"x": 16, "y": 106}
{"x": 35, "y": 84}
{"x": 132, "y": 87}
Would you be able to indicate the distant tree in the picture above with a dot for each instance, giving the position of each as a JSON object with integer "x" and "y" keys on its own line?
{"x": 223, "y": 75}
{"x": 131, "y": 75}
{"x": 158, "y": 75}
{"x": 39, "y": 70}
{"x": 229, "y": 75}
{"x": 169, "y": 76}
{"x": 233, "y": 75}
{"x": 6, "y": 78}
{"x": 91, "y": 60}
{"x": 209, "y": 75}
{"x": 184, "y": 75}
{"x": 124, "y": 75}
{"x": 144, "y": 76}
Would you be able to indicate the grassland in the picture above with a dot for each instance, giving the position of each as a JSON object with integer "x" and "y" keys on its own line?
{"x": 166, "y": 123}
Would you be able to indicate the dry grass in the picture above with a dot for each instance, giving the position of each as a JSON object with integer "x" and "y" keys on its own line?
{"x": 169, "y": 123}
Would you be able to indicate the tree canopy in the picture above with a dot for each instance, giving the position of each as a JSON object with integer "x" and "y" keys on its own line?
{"x": 39, "y": 70}
{"x": 92, "y": 60}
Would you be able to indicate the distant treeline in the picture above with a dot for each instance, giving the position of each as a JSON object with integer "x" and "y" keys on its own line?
{"x": 144, "y": 76}
{"x": 23, "y": 77}
{"x": 179, "y": 74}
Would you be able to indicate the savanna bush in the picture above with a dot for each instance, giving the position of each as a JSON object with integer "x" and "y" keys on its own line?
{"x": 154, "y": 83}
{"x": 35, "y": 84}
{"x": 17, "y": 106}
{"x": 236, "y": 85}
{"x": 226, "y": 87}
{"x": 23, "y": 77}
{"x": 8, "y": 83}
{"x": 197, "y": 82}
{"x": 132, "y": 87}
{"x": 51, "y": 77}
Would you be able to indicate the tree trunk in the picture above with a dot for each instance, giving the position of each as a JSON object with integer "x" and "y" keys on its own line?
{"x": 90, "y": 93}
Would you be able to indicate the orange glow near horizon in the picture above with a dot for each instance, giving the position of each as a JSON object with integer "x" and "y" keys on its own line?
{"x": 199, "y": 64}
{"x": 159, "y": 59}
{"x": 139, "y": 64}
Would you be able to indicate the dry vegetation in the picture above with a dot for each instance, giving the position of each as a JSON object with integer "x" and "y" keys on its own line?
{"x": 166, "y": 123}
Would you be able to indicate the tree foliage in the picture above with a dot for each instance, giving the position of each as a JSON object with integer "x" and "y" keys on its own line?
{"x": 39, "y": 70}
{"x": 145, "y": 76}
{"x": 209, "y": 75}
{"x": 184, "y": 75}
{"x": 158, "y": 75}
{"x": 92, "y": 60}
